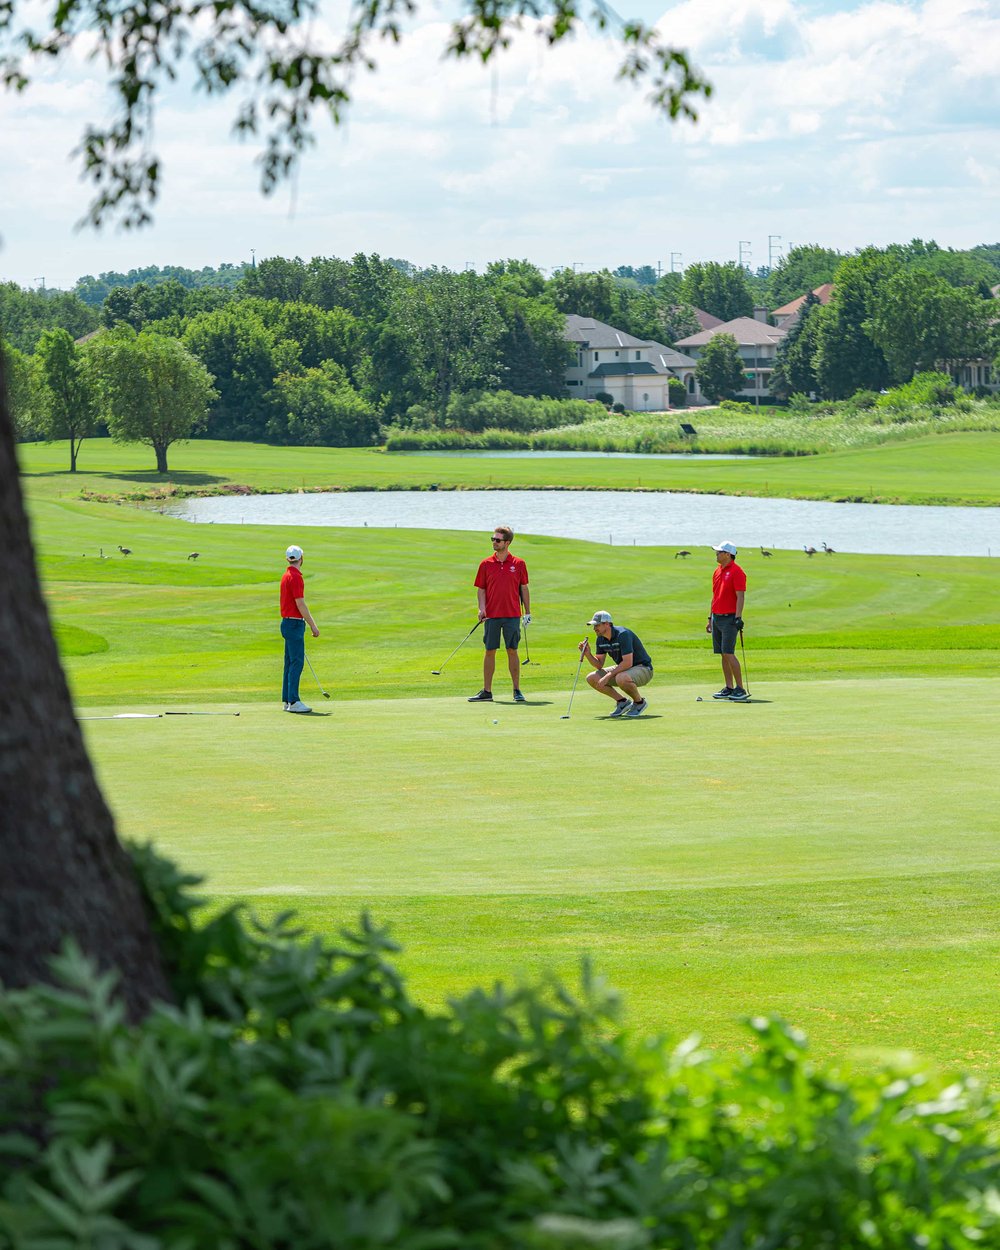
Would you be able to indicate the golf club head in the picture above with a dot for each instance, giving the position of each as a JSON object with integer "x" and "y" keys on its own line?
{"x": 435, "y": 672}
{"x": 565, "y": 716}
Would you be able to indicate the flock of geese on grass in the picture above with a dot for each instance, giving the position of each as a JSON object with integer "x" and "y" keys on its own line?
{"x": 127, "y": 551}
{"x": 810, "y": 551}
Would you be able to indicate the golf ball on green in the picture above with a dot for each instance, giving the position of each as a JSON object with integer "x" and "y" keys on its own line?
{"x": 496, "y": 722}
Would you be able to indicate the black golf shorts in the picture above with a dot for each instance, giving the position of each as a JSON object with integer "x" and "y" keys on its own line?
{"x": 724, "y": 634}
{"x": 509, "y": 626}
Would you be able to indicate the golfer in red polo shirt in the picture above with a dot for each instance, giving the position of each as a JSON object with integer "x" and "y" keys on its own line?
{"x": 502, "y": 587}
{"x": 725, "y": 619}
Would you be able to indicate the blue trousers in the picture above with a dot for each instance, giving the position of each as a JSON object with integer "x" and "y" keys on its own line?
{"x": 293, "y": 630}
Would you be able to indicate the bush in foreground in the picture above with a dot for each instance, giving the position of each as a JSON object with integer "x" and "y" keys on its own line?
{"x": 297, "y": 1097}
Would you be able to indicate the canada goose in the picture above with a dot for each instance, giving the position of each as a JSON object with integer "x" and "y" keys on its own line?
{"x": 126, "y": 551}
{"x": 766, "y": 554}
{"x": 829, "y": 550}
{"x": 193, "y": 555}
{"x": 682, "y": 554}
{"x": 810, "y": 551}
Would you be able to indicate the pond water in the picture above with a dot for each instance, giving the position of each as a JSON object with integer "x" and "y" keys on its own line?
{"x": 627, "y": 518}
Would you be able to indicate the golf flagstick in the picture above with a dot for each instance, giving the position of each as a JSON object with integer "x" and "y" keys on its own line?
{"x": 573, "y": 691}
{"x": 746, "y": 671}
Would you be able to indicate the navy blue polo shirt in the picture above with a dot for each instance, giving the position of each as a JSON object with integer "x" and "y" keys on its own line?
{"x": 621, "y": 642}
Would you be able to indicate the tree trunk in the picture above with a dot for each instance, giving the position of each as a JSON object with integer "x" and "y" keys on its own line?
{"x": 161, "y": 458}
{"x": 73, "y": 449}
{"x": 63, "y": 872}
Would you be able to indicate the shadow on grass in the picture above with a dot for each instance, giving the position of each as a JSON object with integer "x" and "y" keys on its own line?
{"x": 141, "y": 478}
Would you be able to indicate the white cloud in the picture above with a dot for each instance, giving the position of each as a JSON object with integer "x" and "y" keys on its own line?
{"x": 844, "y": 127}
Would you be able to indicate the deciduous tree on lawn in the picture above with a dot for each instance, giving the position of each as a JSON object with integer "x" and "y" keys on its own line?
{"x": 155, "y": 392}
{"x": 719, "y": 369}
{"x": 70, "y": 404}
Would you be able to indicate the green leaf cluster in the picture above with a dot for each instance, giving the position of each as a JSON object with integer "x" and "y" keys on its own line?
{"x": 295, "y": 1095}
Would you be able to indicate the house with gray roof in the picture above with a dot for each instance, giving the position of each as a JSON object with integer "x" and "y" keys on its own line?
{"x": 758, "y": 344}
{"x": 634, "y": 372}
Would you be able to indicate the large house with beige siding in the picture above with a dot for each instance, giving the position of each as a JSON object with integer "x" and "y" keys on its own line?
{"x": 634, "y": 372}
{"x": 758, "y": 345}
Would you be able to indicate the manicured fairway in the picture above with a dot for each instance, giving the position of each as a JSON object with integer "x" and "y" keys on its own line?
{"x": 829, "y": 852}
{"x": 953, "y": 468}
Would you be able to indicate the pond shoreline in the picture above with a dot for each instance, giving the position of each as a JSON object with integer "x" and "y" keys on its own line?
{"x": 166, "y": 494}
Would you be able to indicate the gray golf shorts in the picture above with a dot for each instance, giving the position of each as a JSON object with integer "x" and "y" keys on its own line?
{"x": 509, "y": 626}
{"x": 724, "y": 634}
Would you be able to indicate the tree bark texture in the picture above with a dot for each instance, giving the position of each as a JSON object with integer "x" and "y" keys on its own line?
{"x": 63, "y": 871}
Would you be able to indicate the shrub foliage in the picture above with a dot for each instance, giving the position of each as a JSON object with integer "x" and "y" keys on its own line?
{"x": 296, "y": 1096}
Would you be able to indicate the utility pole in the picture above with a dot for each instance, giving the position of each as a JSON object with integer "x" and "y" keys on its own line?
{"x": 577, "y": 264}
{"x": 773, "y": 245}
{"x": 659, "y": 268}
{"x": 253, "y": 258}
{"x": 42, "y": 281}
{"x": 679, "y": 256}
{"x": 745, "y": 250}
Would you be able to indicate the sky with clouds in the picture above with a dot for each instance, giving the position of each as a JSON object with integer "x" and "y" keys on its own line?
{"x": 831, "y": 122}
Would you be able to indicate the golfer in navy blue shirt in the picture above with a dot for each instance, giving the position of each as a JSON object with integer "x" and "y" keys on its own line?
{"x": 631, "y": 665}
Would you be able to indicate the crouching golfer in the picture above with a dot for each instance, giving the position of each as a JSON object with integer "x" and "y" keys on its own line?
{"x": 502, "y": 593}
{"x": 632, "y": 666}
{"x": 294, "y": 618}
{"x": 725, "y": 619}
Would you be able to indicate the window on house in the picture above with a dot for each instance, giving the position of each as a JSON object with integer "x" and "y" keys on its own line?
{"x": 690, "y": 382}
{"x": 638, "y": 355}
{"x": 616, "y": 355}
{"x": 597, "y": 355}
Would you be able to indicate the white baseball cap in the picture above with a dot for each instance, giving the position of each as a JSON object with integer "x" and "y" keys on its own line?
{"x": 728, "y": 548}
{"x": 600, "y": 618}
{"x": 293, "y": 553}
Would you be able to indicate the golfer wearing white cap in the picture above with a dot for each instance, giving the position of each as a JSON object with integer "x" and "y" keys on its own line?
{"x": 631, "y": 667}
{"x": 294, "y": 618}
{"x": 725, "y": 619}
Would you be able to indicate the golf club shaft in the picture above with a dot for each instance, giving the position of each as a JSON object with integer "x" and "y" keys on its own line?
{"x": 316, "y": 679}
{"x": 201, "y": 713}
{"x": 572, "y": 693}
{"x": 746, "y": 671}
{"x": 527, "y": 652}
{"x": 461, "y": 644}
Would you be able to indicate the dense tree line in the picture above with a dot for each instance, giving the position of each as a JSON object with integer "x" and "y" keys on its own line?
{"x": 332, "y": 352}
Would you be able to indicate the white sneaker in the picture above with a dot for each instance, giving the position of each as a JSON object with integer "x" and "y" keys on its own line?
{"x": 285, "y": 707}
{"x": 298, "y": 707}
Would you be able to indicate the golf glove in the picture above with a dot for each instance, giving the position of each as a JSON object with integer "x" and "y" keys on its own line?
{"x": 738, "y": 622}
{"x": 526, "y": 619}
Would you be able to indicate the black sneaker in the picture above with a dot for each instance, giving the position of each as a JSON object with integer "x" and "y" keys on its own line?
{"x": 739, "y": 695}
{"x": 725, "y": 693}
{"x": 484, "y": 696}
{"x": 519, "y": 697}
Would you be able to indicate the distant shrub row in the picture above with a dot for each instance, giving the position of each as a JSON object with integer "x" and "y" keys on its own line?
{"x": 297, "y": 1097}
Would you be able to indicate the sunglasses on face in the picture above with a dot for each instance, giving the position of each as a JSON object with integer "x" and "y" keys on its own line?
{"x": 498, "y": 540}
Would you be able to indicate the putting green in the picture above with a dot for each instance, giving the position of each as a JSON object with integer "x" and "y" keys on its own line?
{"x": 826, "y": 851}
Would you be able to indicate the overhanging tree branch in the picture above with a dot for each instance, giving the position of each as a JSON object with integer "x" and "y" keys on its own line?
{"x": 288, "y": 72}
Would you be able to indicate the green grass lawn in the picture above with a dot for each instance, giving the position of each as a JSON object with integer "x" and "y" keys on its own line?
{"x": 828, "y": 851}
{"x": 952, "y": 468}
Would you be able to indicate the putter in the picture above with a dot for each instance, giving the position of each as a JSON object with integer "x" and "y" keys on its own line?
{"x": 201, "y": 713}
{"x": 527, "y": 653}
{"x": 315, "y": 679}
{"x": 746, "y": 671}
{"x": 436, "y": 672}
{"x": 573, "y": 691}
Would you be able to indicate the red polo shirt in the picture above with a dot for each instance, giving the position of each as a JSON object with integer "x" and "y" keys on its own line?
{"x": 502, "y": 580}
{"x": 292, "y": 588}
{"x": 725, "y": 583}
